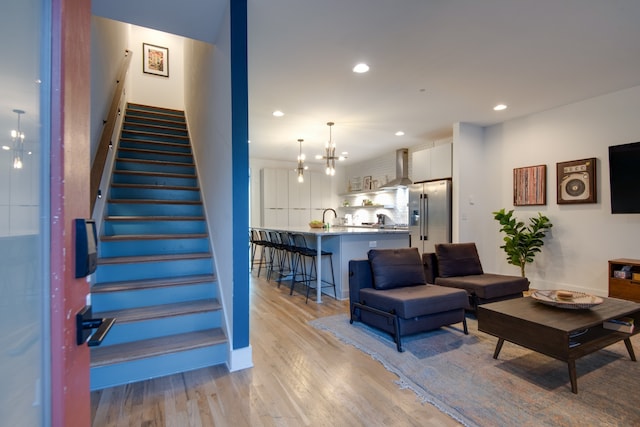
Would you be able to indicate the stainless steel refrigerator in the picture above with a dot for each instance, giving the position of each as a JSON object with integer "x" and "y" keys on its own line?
{"x": 430, "y": 214}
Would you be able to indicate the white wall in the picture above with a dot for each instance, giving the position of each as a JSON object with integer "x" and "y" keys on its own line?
{"x": 109, "y": 39}
{"x": 585, "y": 236}
{"x": 150, "y": 89}
{"x": 207, "y": 91}
{"x": 469, "y": 183}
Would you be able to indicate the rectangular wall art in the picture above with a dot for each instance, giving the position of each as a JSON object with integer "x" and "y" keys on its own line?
{"x": 577, "y": 181}
{"x": 530, "y": 185}
{"x": 155, "y": 60}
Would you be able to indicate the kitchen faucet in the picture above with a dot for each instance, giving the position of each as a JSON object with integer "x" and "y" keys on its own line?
{"x": 325, "y": 211}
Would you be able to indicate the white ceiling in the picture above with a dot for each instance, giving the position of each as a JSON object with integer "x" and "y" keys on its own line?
{"x": 467, "y": 56}
{"x": 433, "y": 63}
{"x": 195, "y": 19}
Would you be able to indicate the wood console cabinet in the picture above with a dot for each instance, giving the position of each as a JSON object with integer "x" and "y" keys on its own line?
{"x": 628, "y": 289}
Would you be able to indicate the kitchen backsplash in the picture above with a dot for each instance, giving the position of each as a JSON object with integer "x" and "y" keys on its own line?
{"x": 393, "y": 204}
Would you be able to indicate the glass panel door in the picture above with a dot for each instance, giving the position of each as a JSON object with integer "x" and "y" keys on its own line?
{"x": 24, "y": 143}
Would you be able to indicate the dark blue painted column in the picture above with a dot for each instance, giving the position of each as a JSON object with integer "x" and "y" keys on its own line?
{"x": 240, "y": 165}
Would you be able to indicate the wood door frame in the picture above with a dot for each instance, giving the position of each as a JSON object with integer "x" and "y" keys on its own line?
{"x": 69, "y": 198}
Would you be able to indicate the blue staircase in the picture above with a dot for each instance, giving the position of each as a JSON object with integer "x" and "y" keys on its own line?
{"x": 155, "y": 270}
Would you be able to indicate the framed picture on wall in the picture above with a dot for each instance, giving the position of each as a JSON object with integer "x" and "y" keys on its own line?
{"x": 530, "y": 185}
{"x": 576, "y": 181}
{"x": 155, "y": 60}
{"x": 366, "y": 183}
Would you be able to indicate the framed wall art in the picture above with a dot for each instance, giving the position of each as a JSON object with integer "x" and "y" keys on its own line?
{"x": 155, "y": 60}
{"x": 576, "y": 181}
{"x": 530, "y": 185}
{"x": 366, "y": 183}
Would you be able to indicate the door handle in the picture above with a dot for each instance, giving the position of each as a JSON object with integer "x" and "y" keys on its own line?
{"x": 85, "y": 324}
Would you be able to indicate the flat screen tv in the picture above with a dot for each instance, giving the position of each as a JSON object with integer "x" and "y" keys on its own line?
{"x": 624, "y": 178}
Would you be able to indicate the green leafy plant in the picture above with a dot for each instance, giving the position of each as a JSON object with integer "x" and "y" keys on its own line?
{"x": 522, "y": 242}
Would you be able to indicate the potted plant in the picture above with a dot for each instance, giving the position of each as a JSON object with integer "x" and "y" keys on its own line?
{"x": 522, "y": 242}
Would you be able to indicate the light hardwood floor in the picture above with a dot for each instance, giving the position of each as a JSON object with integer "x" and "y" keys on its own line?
{"x": 301, "y": 377}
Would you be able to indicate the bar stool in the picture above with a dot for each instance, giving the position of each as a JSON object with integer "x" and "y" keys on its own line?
{"x": 277, "y": 255}
{"x": 308, "y": 255}
{"x": 287, "y": 255}
{"x": 256, "y": 242}
{"x": 265, "y": 255}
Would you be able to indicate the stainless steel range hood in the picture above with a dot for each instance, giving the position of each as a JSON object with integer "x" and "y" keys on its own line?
{"x": 402, "y": 170}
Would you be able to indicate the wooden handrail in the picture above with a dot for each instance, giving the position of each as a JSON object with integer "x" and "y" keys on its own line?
{"x": 107, "y": 131}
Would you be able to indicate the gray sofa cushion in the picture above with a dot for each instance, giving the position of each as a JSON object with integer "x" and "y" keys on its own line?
{"x": 415, "y": 301}
{"x": 487, "y": 285}
{"x": 393, "y": 268}
{"x": 458, "y": 259}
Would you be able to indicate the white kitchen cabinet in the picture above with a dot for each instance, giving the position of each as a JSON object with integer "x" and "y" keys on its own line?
{"x": 275, "y": 217}
{"x": 275, "y": 197}
{"x": 299, "y": 217}
{"x": 441, "y": 156}
{"x": 275, "y": 188}
{"x": 431, "y": 163}
{"x": 285, "y": 201}
{"x": 321, "y": 194}
{"x": 299, "y": 191}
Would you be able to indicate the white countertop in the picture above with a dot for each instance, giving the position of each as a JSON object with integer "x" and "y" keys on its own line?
{"x": 337, "y": 230}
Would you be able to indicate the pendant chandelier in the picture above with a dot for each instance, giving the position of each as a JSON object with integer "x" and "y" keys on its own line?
{"x": 330, "y": 154}
{"x": 301, "y": 166}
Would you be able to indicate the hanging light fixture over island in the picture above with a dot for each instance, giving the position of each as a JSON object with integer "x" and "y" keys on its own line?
{"x": 330, "y": 154}
{"x": 301, "y": 166}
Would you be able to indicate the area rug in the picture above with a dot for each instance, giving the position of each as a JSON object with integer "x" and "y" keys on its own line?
{"x": 457, "y": 374}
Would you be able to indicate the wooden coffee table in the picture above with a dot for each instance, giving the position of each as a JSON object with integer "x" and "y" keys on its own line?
{"x": 563, "y": 334}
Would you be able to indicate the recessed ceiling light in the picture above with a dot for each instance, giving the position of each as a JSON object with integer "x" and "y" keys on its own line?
{"x": 278, "y": 113}
{"x": 361, "y": 68}
{"x": 6, "y": 147}
{"x": 399, "y": 133}
{"x": 500, "y": 107}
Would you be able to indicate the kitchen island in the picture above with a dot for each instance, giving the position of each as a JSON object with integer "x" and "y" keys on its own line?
{"x": 346, "y": 243}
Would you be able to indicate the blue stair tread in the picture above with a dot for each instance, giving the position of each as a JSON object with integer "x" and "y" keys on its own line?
{"x": 150, "y": 173}
{"x": 123, "y": 237}
{"x": 156, "y": 187}
{"x": 160, "y": 311}
{"x": 154, "y": 152}
{"x": 134, "y": 285}
{"x": 120, "y": 353}
{"x": 160, "y": 144}
{"x": 152, "y": 258}
{"x": 153, "y": 162}
{"x": 153, "y": 128}
{"x": 154, "y": 109}
{"x": 155, "y": 218}
{"x": 165, "y": 122}
{"x": 157, "y": 201}
{"x": 156, "y": 134}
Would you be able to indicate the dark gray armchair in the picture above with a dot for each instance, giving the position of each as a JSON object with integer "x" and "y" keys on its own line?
{"x": 389, "y": 291}
{"x": 457, "y": 265}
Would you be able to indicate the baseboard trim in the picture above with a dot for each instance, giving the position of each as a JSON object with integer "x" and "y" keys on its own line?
{"x": 240, "y": 359}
